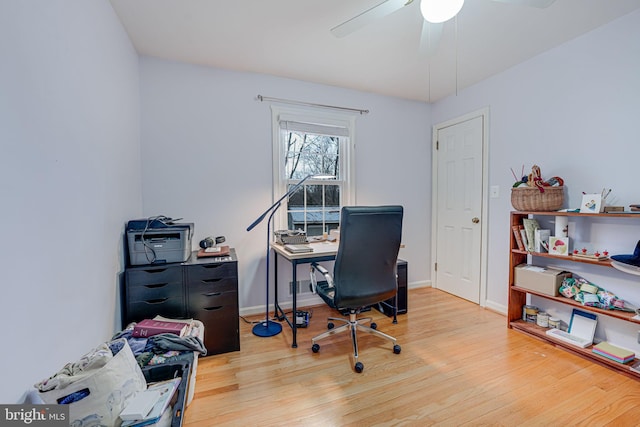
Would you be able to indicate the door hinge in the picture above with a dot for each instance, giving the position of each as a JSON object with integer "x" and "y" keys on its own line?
{"x": 437, "y": 145}
{"x": 435, "y": 266}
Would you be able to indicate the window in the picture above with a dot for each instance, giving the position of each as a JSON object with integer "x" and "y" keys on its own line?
{"x": 313, "y": 143}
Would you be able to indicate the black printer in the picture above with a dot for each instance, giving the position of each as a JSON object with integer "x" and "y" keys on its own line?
{"x": 158, "y": 240}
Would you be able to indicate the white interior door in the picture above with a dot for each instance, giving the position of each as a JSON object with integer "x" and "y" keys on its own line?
{"x": 459, "y": 163}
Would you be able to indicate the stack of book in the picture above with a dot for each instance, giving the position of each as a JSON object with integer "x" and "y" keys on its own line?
{"x": 613, "y": 352}
{"x": 146, "y": 407}
{"x": 150, "y": 327}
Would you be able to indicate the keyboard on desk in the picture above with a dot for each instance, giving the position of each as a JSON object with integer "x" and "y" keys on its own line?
{"x": 568, "y": 338}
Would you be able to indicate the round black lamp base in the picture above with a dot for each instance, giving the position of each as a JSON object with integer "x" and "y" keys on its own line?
{"x": 267, "y": 329}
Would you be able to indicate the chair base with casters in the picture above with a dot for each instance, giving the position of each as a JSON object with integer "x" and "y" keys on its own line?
{"x": 353, "y": 324}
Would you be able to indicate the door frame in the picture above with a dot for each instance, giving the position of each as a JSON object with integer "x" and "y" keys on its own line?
{"x": 484, "y": 114}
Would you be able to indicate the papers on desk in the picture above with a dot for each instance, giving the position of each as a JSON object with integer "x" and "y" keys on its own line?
{"x": 298, "y": 249}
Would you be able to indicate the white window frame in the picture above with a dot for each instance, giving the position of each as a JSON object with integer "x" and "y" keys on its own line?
{"x": 347, "y": 164}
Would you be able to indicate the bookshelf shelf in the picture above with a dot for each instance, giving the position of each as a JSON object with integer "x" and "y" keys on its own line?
{"x": 518, "y": 295}
{"x": 586, "y": 353}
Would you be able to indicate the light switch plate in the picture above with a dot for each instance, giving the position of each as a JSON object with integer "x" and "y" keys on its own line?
{"x": 494, "y": 192}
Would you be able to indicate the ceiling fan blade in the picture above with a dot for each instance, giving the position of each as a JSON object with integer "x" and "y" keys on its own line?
{"x": 368, "y": 16}
{"x": 430, "y": 37}
{"x": 533, "y": 3}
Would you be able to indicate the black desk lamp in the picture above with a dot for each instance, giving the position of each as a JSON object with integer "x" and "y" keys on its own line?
{"x": 269, "y": 328}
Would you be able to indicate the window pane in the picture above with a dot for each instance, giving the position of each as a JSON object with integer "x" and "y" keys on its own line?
{"x": 315, "y": 221}
{"x": 307, "y": 154}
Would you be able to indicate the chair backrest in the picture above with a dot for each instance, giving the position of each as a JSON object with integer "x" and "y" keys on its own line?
{"x": 364, "y": 272}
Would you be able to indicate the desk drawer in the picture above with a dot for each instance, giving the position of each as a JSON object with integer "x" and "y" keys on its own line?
{"x": 154, "y": 291}
{"x": 154, "y": 275}
{"x": 212, "y": 271}
{"x": 204, "y": 286}
{"x": 167, "y": 306}
{"x": 223, "y": 333}
{"x": 210, "y": 301}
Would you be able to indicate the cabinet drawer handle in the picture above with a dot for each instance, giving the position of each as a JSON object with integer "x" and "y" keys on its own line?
{"x": 156, "y": 301}
{"x": 155, "y": 285}
{"x": 212, "y": 294}
{"x": 212, "y": 266}
{"x": 211, "y": 280}
{"x": 213, "y": 308}
{"x": 162, "y": 270}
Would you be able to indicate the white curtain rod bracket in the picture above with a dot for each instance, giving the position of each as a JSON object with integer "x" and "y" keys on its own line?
{"x": 309, "y": 104}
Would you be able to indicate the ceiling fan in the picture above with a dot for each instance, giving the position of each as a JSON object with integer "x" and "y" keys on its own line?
{"x": 435, "y": 13}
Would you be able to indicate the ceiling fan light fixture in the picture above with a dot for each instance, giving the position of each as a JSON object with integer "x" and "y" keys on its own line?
{"x": 437, "y": 11}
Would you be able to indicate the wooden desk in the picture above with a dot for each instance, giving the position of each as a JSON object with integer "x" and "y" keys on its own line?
{"x": 322, "y": 251}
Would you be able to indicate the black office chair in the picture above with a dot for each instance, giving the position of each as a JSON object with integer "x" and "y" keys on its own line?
{"x": 364, "y": 272}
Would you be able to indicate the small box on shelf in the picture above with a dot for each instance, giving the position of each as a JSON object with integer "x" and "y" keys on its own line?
{"x": 540, "y": 279}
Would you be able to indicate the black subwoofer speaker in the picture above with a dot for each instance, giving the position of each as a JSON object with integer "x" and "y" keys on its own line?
{"x": 386, "y": 307}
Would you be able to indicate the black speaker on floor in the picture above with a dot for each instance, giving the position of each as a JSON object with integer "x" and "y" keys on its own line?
{"x": 386, "y": 307}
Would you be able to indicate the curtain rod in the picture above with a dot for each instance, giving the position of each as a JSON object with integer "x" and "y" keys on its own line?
{"x": 309, "y": 104}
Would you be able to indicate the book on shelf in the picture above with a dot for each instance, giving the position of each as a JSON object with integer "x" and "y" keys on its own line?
{"x": 150, "y": 327}
{"x": 613, "y": 352}
{"x": 166, "y": 393}
{"x": 523, "y": 236}
{"x": 518, "y": 237}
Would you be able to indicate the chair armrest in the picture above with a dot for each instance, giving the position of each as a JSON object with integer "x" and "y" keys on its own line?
{"x": 313, "y": 283}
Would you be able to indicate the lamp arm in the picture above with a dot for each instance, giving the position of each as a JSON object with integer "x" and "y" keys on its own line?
{"x": 276, "y": 205}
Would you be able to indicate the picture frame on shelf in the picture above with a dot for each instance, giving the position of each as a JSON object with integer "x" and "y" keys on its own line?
{"x": 591, "y": 203}
{"x": 559, "y": 246}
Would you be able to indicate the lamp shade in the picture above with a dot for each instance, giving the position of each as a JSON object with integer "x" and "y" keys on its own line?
{"x": 436, "y": 11}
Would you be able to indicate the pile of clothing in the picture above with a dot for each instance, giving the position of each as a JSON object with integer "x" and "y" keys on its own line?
{"x": 161, "y": 348}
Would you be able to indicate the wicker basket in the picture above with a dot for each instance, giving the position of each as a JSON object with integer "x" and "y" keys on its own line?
{"x": 531, "y": 199}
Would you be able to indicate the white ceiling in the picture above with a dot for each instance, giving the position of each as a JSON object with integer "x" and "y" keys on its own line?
{"x": 291, "y": 38}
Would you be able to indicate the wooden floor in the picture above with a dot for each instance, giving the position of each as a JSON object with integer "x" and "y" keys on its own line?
{"x": 459, "y": 365}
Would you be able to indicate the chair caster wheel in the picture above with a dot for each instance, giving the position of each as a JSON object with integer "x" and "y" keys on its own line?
{"x": 374, "y": 325}
{"x": 396, "y": 349}
{"x": 315, "y": 348}
{"x": 359, "y": 367}
{"x": 330, "y": 325}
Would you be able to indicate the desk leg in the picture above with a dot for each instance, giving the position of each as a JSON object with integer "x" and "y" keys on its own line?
{"x": 294, "y": 326}
{"x": 278, "y": 312}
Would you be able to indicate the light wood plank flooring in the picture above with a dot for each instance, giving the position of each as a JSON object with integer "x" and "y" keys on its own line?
{"x": 459, "y": 365}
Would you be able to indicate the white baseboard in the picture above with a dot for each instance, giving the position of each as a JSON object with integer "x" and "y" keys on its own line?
{"x": 494, "y": 306}
{"x": 307, "y": 300}
{"x": 420, "y": 284}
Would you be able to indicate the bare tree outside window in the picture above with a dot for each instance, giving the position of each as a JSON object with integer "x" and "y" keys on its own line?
{"x": 315, "y": 207}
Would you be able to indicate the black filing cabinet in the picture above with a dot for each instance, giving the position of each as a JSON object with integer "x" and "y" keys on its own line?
{"x": 212, "y": 298}
{"x": 205, "y": 289}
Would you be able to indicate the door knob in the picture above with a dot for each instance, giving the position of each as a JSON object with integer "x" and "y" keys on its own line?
{"x": 475, "y": 220}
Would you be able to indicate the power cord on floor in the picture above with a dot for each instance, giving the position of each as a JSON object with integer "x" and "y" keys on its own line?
{"x": 302, "y": 318}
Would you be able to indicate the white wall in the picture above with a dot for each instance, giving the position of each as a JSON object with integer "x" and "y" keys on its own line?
{"x": 574, "y": 112}
{"x": 206, "y": 156}
{"x": 69, "y": 178}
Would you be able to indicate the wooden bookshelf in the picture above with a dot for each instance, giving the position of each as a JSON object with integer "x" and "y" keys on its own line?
{"x": 518, "y": 295}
